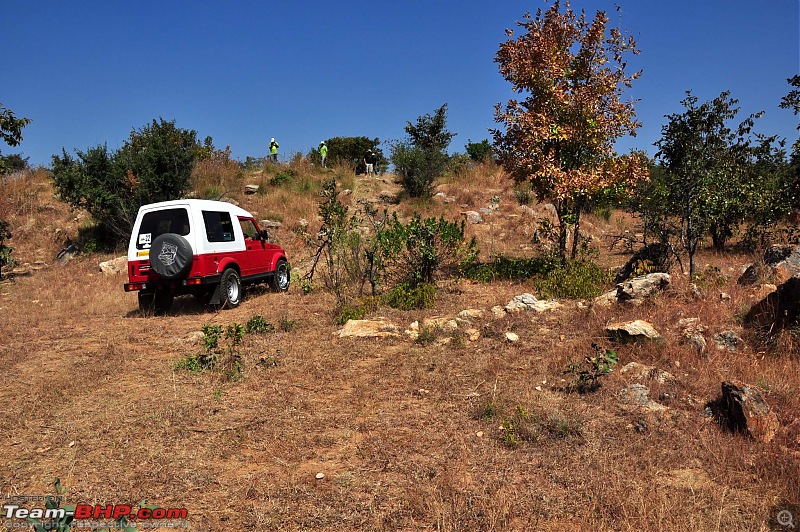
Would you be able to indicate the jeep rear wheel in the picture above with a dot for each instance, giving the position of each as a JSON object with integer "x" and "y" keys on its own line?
{"x": 280, "y": 280}
{"x": 230, "y": 289}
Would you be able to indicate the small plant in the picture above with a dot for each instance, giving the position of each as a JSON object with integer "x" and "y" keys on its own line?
{"x": 227, "y": 360}
{"x": 282, "y": 177}
{"x": 59, "y": 524}
{"x": 258, "y": 325}
{"x": 286, "y": 325}
{"x": 587, "y": 374}
{"x": 428, "y": 335}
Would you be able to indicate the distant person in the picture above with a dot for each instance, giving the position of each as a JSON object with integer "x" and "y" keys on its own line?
{"x": 323, "y": 152}
{"x": 369, "y": 161}
{"x": 273, "y": 150}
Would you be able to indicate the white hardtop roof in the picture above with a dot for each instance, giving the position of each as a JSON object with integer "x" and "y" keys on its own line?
{"x": 203, "y": 205}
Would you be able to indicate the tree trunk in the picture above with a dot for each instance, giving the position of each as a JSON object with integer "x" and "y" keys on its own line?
{"x": 576, "y": 236}
{"x": 562, "y": 230}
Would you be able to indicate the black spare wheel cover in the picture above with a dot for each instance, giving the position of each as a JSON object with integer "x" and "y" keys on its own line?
{"x": 171, "y": 256}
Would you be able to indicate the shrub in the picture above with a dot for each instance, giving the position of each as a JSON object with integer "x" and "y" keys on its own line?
{"x": 479, "y": 151}
{"x": 587, "y": 374}
{"x": 422, "y": 250}
{"x": 406, "y": 296}
{"x": 154, "y": 164}
{"x": 5, "y": 250}
{"x": 350, "y": 151}
{"x": 574, "y": 279}
{"x": 512, "y": 269}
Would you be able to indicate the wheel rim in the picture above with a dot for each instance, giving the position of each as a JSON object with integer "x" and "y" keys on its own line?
{"x": 283, "y": 277}
{"x": 233, "y": 289}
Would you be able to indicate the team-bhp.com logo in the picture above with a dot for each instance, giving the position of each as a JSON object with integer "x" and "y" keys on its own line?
{"x": 111, "y": 512}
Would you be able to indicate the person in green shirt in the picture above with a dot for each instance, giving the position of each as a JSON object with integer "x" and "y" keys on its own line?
{"x": 273, "y": 150}
{"x": 323, "y": 152}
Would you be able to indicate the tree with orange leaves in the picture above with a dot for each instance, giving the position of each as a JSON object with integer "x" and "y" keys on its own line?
{"x": 561, "y": 136}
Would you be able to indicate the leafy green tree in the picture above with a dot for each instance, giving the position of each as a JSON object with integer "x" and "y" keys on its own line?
{"x": 560, "y": 136}
{"x": 10, "y": 132}
{"x": 706, "y": 170}
{"x": 792, "y": 101}
{"x": 479, "y": 151}
{"x": 422, "y": 157}
{"x": 154, "y": 164}
{"x": 351, "y": 151}
{"x": 13, "y": 163}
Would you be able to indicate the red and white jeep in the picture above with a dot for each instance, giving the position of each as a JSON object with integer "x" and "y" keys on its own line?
{"x": 206, "y": 248}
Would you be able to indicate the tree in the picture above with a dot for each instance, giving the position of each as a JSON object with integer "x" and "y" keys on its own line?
{"x": 561, "y": 136}
{"x": 154, "y": 164}
{"x": 10, "y": 132}
{"x": 792, "y": 101}
{"x": 423, "y": 157}
{"x": 706, "y": 165}
{"x": 479, "y": 151}
{"x": 351, "y": 150}
{"x": 5, "y": 250}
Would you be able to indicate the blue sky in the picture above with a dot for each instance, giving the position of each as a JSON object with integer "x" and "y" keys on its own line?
{"x": 88, "y": 72}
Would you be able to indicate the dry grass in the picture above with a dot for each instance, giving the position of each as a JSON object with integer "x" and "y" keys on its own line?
{"x": 399, "y": 429}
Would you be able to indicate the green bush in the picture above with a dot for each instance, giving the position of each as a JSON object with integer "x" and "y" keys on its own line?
{"x": 422, "y": 250}
{"x": 406, "y": 296}
{"x": 350, "y": 151}
{"x": 574, "y": 279}
{"x": 5, "y": 250}
{"x": 154, "y": 164}
{"x": 512, "y": 269}
{"x": 479, "y": 151}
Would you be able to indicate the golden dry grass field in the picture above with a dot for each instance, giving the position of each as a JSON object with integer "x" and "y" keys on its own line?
{"x": 467, "y": 435}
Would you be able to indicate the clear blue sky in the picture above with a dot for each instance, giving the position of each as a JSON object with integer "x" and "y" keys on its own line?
{"x": 87, "y": 72}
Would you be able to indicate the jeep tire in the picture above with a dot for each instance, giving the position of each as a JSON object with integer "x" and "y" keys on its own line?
{"x": 230, "y": 289}
{"x": 171, "y": 256}
{"x": 280, "y": 280}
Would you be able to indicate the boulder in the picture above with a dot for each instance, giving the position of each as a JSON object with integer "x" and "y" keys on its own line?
{"x": 377, "y": 328}
{"x": 528, "y": 302}
{"x": 742, "y": 409}
{"x": 641, "y": 372}
{"x": 638, "y": 395}
{"x": 642, "y": 287}
{"x": 269, "y": 224}
{"x": 780, "y": 309}
{"x": 632, "y": 331}
{"x": 445, "y": 324}
{"x": 472, "y": 314}
{"x": 778, "y": 261}
{"x": 728, "y": 341}
{"x": 473, "y": 217}
{"x": 114, "y": 266}
{"x": 652, "y": 258}
{"x": 250, "y": 189}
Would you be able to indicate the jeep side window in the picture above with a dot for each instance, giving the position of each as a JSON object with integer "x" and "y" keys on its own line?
{"x": 249, "y": 229}
{"x": 219, "y": 227}
{"x": 156, "y": 223}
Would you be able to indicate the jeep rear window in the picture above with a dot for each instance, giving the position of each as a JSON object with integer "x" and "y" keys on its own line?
{"x": 156, "y": 223}
{"x": 218, "y": 226}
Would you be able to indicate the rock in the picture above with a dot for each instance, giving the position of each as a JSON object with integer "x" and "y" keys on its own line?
{"x": 114, "y": 266}
{"x": 498, "y": 312}
{"x": 250, "y": 189}
{"x": 512, "y": 337}
{"x": 638, "y": 395}
{"x": 413, "y": 330}
{"x": 377, "y": 328}
{"x": 728, "y": 340}
{"x": 742, "y": 409}
{"x": 472, "y": 334}
{"x": 303, "y": 223}
{"x": 269, "y": 224}
{"x": 656, "y": 257}
{"x": 724, "y": 296}
{"x": 445, "y": 324}
{"x": 472, "y": 314}
{"x": 388, "y": 197}
{"x": 692, "y": 332}
{"x": 642, "y": 287}
{"x": 780, "y": 309}
{"x": 642, "y": 372}
{"x": 637, "y": 330}
{"x": 528, "y": 302}
{"x": 473, "y": 217}
{"x": 778, "y": 261}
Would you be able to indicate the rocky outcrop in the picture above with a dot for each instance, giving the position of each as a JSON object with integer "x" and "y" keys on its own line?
{"x": 377, "y": 328}
{"x": 778, "y": 261}
{"x": 633, "y": 331}
{"x": 741, "y": 408}
{"x": 780, "y": 309}
{"x": 114, "y": 266}
{"x": 653, "y": 258}
{"x": 636, "y": 290}
{"x": 528, "y": 302}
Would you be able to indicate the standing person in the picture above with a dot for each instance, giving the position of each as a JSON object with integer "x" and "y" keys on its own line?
{"x": 323, "y": 152}
{"x": 273, "y": 150}
{"x": 369, "y": 161}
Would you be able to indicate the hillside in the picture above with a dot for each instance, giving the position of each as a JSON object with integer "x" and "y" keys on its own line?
{"x": 453, "y": 431}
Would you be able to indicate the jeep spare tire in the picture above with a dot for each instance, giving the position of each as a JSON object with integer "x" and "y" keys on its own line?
{"x": 171, "y": 256}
